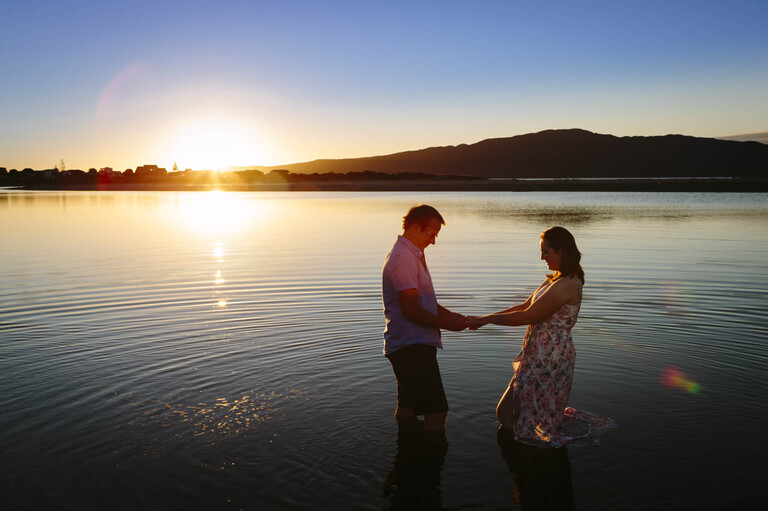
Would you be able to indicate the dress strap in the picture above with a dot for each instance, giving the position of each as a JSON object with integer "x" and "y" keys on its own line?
{"x": 579, "y": 285}
{"x": 543, "y": 287}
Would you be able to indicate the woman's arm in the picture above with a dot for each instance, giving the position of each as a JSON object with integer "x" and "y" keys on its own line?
{"x": 520, "y": 306}
{"x": 558, "y": 294}
{"x": 476, "y": 322}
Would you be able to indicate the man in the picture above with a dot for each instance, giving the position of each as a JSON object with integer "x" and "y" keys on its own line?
{"x": 413, "y": 322}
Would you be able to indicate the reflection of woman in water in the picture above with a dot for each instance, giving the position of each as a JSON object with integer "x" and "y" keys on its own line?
{"x": 542, "y": 476}
{"x": 534, "y": 404}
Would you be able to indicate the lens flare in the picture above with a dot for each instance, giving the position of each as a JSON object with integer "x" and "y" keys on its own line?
{"x": 107, "y": 98}
{"x": 673, "y": 377}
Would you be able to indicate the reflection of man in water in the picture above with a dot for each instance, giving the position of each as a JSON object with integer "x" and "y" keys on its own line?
{"x": 413, "y": 323}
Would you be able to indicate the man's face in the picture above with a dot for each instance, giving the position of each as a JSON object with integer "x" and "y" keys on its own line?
{"x": 428, "y": 234}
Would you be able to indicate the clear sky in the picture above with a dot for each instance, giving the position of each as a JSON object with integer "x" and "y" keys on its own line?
{"x": 213, "y": 83}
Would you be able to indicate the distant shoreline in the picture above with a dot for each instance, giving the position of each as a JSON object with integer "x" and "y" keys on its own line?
{"x": 753, "y": 185}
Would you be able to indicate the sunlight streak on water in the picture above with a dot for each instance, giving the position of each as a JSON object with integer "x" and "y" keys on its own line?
{"x": 218, "y": 212}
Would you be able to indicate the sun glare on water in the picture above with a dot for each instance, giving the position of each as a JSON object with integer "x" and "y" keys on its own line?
{"x": 219, "y": 212}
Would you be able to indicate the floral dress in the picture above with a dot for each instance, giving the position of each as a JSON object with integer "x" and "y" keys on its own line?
{"x": 542, "y": 385}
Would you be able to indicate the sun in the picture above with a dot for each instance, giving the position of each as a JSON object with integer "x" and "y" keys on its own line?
{"x": 215, "y": 144}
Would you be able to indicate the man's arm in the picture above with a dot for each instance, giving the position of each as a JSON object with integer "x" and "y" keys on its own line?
{"x": 409, "y": 304}
{"x": 453, "y": 320}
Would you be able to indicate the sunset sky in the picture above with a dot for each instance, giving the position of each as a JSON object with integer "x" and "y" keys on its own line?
{"x": 211, "y": 84}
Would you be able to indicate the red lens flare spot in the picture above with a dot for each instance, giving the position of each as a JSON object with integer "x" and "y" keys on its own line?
{"x": 675, "y": 378}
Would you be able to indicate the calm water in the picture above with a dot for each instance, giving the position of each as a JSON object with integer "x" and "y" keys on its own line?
{"x": 223, "y": 350}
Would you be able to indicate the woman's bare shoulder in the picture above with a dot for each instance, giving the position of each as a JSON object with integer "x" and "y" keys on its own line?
{"x": 569, "y": 288}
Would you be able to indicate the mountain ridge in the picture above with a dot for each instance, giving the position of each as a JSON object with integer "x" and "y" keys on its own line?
{"x": 761, "y": 136}
{"x": 563, "y": 153}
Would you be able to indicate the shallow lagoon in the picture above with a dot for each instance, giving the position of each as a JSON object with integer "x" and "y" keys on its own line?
{"x": 203, "y": 349}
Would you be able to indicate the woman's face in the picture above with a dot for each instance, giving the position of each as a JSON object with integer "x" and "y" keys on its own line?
{"x": 550, "y": 255}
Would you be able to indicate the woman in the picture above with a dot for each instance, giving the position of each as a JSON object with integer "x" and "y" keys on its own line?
{"x": 534, "y": 404}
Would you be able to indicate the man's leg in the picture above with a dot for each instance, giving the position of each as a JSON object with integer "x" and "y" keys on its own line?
{"x": 404, "y": 412}
{"x": 434, "y": 429}
{"x": 435, "y": 421}
{"x": 404, "y": 371}
{"x": 406, "y": 419}
{"x": 419, "y": 388}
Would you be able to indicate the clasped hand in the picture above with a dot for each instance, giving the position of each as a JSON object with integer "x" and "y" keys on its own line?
{"x": 458, "y": 322}
{"x": 475, "y": 322}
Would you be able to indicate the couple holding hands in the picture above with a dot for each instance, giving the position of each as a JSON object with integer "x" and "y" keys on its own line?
{"x": 534, "y": 406}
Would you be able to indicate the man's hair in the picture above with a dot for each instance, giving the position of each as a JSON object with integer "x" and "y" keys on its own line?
{"x": 421, "y": 215}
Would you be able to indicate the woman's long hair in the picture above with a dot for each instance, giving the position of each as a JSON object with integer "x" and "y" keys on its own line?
{"x": 562, "y": 241}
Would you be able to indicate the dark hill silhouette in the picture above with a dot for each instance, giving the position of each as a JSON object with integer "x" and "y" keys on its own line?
{"x": 568, "y": 153}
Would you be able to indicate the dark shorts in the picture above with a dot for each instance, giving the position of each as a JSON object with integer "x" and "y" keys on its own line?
{"x": 419, "y": 385}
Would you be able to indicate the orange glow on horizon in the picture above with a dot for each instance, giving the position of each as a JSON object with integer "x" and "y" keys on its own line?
{"x": 217, "y": 143}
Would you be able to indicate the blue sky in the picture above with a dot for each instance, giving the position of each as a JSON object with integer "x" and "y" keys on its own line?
{"x": 209, "y": 84}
